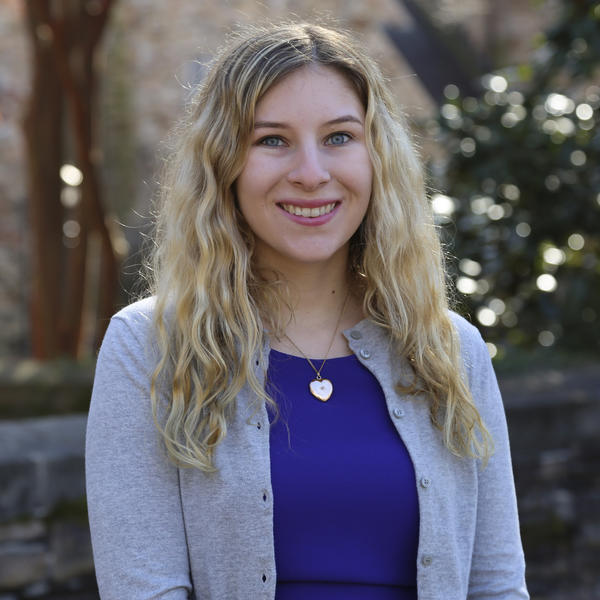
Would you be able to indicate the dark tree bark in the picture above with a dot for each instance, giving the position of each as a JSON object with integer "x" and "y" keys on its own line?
{"x": 59, "y": 128}
{"x": 43, "y": 138}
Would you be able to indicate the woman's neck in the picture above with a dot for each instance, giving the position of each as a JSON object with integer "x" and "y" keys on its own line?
{"x": 322, "y": 297}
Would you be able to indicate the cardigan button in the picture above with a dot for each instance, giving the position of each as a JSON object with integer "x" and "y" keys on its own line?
{"x": 426, "y": 560}
{"x": 364, "y": 353}
{"x": 398, "y": 412}
{"x": 425, "y": 482}
{"x": 355, "y": 335}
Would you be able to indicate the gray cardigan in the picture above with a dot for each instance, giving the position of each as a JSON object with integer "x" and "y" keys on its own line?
{"x": 163, "y": 532}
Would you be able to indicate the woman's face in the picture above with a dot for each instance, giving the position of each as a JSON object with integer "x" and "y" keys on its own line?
{"x": 306, "y": 183}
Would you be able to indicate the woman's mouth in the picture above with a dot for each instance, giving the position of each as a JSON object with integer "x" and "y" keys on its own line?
{"x": 303, "y": 211}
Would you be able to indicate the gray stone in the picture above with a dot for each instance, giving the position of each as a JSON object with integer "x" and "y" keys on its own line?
{"x": 36, "y": 590}
{"x": 555, "y": 463}
{"x": 550, "y": 388}
{"x": 590, "y": 536}
{"x": 41, "y": 463}
{"x": 22, "y": 563}
{"x": 563, "y": 505}
{"x": 50, "y": 436}
{"x": 18, "y": 483}
{"x": 22, "y": 531}
{"x": 71, "y": 550}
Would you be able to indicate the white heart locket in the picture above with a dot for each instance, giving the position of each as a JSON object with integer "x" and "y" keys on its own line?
{"x": 321, "y": 389}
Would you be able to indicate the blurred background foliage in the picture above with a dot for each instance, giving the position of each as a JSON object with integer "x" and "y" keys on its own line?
{"x": 520, "y": 208}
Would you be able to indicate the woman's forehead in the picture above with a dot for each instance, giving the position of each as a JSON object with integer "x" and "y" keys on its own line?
{"x": 310, "y": 88}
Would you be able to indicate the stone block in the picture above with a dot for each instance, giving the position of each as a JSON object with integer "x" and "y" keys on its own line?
{"x": 22, "y": 531}
{"x": 22, "y": 563}
{"x": 39, "y": 589}
{"x": 555, "y": 463}
{"x": 71, "y": 550}
{"x": 41, "y": 463}
{"x": 18, "y": 486}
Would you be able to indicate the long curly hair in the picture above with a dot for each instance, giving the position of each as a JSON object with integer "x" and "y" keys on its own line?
{"x": 212, "y": 306}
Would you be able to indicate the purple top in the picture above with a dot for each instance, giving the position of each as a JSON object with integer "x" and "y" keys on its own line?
{"x": 343, "y": 527}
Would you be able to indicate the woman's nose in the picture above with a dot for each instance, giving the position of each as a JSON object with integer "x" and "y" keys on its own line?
{"x": 309, "y": 169}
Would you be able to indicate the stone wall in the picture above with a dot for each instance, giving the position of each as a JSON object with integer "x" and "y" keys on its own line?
{"x": 44, "y": 536}
{"x": 555, "y": 435}
{"x": 554, "y": 420}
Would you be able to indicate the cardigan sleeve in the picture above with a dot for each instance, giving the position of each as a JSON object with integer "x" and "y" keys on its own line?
{"x": 498, "y": 565}
{"x": 134, "y": 504}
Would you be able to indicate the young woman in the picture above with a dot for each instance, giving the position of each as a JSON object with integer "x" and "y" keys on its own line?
{"x": 295, "y": 413}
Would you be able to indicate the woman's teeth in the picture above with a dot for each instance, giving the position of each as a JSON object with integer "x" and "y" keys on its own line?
{"x": 308, "y": 212}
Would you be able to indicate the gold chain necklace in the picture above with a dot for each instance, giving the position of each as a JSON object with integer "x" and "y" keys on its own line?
{"x": 321, "y": 388}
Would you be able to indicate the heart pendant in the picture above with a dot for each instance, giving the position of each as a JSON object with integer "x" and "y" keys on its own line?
{"x": 321, "y": 389}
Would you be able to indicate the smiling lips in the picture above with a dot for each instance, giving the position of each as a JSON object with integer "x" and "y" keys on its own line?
{"x": 305, "y": 211}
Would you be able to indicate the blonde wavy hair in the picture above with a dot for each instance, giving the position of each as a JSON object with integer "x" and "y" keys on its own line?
{"x": 212, "y": 305}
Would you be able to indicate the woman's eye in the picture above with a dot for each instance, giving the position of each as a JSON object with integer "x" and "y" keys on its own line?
{"x": 271, "y": 141}
{"x": 336, "y": 139}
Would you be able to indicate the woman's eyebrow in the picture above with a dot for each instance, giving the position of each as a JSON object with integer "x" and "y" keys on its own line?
{"x": 344, "y": 119}
{"x": 277, "y": 125}
{"x": 270, "y": 125}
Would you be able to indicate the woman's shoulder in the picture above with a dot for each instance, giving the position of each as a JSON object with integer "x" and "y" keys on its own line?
{"x": 131, "y": 330}
{"x": 467, "y": 332}
{"x": 141, "y": 311}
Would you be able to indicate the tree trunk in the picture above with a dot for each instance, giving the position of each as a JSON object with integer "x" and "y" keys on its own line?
{"x": 65, "y": 36}
{"x": 43, "y": 138}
